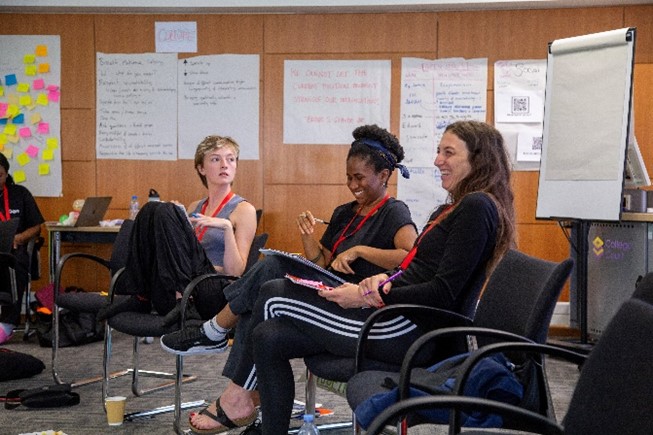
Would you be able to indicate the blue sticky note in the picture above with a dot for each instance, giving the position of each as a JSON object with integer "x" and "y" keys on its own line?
{"x": 10, "y": 79}
{"x": 18, "y": 119}
{"x": 3, "y": 121}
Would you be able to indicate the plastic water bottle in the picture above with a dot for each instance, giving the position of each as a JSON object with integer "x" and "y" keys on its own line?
{"x": 133, "y": 207}
{"x": 308, "y": 427}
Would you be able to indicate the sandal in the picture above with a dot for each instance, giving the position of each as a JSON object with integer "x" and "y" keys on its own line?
{"x": 221, "y": 417}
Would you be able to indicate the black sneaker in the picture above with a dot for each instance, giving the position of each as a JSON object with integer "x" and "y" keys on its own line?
{"x": 192, "y": 341}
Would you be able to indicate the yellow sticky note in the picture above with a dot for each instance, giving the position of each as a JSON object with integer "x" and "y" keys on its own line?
{"x": 3, "y": 139}
{"x": 13, "y": 138}
{"x": 25, "y": 100}
{"x": 22, "y": 159}
{"x": 2, "y": 91}
{"x": 41, "y": 50}
{"x": 42, "y": 99}
{"x": 22, "y": 87}
{"x": 19, "y": 176}
{"x": 48, "y": 154}
{"x": 52, "y": 143}
{"x": 44, "y": 68}
{"x": 29, "y": 58}
{"x": 8, "y": 152}
{"x": 10, "y": 129}
{"x": 13, "y": 110}
{"x": 35, "y": 118}
{"x": 30, "y": 70}
{"x": 44, "y": 169}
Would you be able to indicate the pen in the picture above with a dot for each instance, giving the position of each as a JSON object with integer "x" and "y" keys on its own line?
{"x": 322, "y": 221}
{"x": 391, "y": 277}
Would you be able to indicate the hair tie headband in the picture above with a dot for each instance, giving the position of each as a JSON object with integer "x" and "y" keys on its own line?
{"x": 387, "y": 155}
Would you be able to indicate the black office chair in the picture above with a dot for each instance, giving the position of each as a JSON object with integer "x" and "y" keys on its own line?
{"x": 612, "y": 394}
{"x": 517, "y": 303}
{"x": 14, "y": 269}
{"x": 140, "y": 325}
{"x": 85, "y": 302}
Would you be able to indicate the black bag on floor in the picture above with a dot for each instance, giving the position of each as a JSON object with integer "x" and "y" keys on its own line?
{"x": 48, "y": 396}
{"x": 18, "y": 365}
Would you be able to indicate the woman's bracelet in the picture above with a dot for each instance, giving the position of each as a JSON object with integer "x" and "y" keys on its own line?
{"x": 317, "y": 258}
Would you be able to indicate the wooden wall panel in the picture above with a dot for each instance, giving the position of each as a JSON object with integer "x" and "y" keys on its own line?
{"x": 350, "y": 33}
{"x": 641, "y": 17}
{"x": 77, "y": 135}
{"x": 643, "y": 107}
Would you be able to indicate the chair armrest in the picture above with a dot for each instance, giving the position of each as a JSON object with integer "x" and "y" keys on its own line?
{"x": 64, "y": 260}
{"x": 408, "y": 362}
{"x": 535, "y": 422}
{"x": 190, "y": 288}
{"x": 476, "y": 356}
{"x": 443, "y": 317}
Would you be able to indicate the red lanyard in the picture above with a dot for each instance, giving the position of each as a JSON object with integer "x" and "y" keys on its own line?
{"x": 411, "y": 254}
{"x": 344, "y": 234}
{"x": 200, "y": 235}
{"x": 7, "y": 215}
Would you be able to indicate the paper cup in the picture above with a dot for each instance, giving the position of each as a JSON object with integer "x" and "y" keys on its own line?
{"x": 115, "y": 410}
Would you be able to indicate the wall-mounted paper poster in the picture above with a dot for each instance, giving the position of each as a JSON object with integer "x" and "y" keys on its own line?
{"x": 30, "y": 70}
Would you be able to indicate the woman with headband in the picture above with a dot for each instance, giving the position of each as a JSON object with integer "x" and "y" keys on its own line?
{"x": 364, "y": 237}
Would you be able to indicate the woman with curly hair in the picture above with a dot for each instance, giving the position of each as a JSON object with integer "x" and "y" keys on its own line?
{"x": 364, "y": 237}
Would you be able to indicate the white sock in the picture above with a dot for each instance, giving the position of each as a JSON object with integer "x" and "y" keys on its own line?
{"x": 214, "y": 331}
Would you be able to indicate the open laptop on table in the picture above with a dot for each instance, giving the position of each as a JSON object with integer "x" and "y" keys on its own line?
{"x": 93, "y": 211}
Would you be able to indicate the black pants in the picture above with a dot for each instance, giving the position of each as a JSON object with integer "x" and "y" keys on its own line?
{"x": 11, "y": 311}
{"x": 164, "y": 256}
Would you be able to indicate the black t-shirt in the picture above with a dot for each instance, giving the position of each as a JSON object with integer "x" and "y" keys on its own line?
{"x": 22, "y": 206}
{"x": 378, "y": 232}
{"x": 451, "y": 258}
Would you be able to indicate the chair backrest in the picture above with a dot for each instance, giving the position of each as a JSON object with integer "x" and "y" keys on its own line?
{"x": 614, "y": 388}
{"x": 120, "y": 248}
{"x": 259, "y": 242}
{"x": 521, "y": 295}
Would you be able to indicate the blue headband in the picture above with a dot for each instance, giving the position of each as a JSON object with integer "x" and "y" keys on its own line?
{"x": 387, "y": 155}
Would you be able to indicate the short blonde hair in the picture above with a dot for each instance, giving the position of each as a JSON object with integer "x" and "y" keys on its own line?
{"x": 212, "y": 143}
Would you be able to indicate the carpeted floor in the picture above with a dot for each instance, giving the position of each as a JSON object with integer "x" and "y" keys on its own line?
{"x": 88, "y": 416}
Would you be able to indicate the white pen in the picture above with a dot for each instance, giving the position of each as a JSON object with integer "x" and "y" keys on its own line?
{"x": 322, "y": 221}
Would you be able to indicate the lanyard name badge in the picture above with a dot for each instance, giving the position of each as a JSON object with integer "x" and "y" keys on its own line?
{"x": 200, "y": 234}
{"x": 5, "y": 193}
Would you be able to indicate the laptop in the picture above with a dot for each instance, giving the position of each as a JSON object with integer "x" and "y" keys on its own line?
{"x": 93, "y": 211}
{"x": 7, "y": 232}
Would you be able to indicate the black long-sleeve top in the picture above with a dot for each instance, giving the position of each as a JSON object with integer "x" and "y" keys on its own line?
{"x": 451, "y": 258}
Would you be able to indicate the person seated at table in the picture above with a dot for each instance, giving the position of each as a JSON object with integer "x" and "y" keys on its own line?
{"x": 16, "y": 202}
{"x": 459, "y": 246}
{"x": 168, "y": 248}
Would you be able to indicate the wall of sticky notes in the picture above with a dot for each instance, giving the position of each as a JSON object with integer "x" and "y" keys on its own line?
{"x": 30, "y": 117}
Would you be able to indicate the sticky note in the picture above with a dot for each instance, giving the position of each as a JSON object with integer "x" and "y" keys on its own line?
{"x": 43, "y": 128}
{"x": 19, "y": 118}
{"x": 53, "y": 96}
{"x": 22, "y": 159}
{"x": 52, "y": 143}
{"x": 32, "y": 151}
{"x": 10, "y": 80}
{"x": 3, "y": 109}
{"x": 13, "y": 138}
{"x": 12, "y": 99}
{"x": 38, "y": 84}
{"x": 10, "y": 129}
{"x": 41, "y": 50}
{"x": 29, "y": 58}
{"x": 25, "y": 132}
{"x": 48, "y": 155}
{"x": 30, "y": 70}
{"x": 44, "y": 68}
{"x": 2, "y": 91}
{"x": 19, "y": 176}
{"x": 8, "y": 152}
{"x": 25, "y": 100}
{"x": 12, "y": 110}
{"x": 35, "y": 118}
{"x": 53, "y": 88}
{"x": 22, "y": 87}
{"x": 44, "y": 169}
{"x": 42, "y": 99}
{"x": 2, "y": 146}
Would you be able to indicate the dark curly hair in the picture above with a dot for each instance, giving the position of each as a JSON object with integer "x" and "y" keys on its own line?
{"x": 5, "y": 164}
{"x": 376, "y": 158}
{"x": 490, "y": 173}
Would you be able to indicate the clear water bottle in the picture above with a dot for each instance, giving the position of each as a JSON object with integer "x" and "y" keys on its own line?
{"x": 308, "y": 428}
{"x": 133, "y": 207}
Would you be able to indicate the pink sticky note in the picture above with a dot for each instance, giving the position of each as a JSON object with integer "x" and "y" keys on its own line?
{"x": 53, "y": 96}
{"x": 25, "y": 132}
{"x": 3, "y": 109}
{"x": 53, "y": 88}
{"x": 32, "y": 151}
{"x": 43, "y": 128}
{"x": 38, "y": 84}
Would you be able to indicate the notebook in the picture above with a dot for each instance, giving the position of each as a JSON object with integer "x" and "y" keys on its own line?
{"x": 7, "y": 232}
{"x": 93, "y": 211}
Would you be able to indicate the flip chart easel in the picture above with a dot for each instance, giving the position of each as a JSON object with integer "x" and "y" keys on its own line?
{"x": 587, "y": 123}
